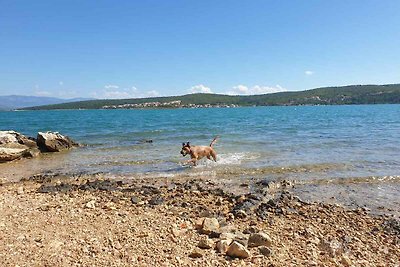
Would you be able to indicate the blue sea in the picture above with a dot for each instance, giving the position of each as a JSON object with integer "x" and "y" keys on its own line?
{"x": 346, "y": 154}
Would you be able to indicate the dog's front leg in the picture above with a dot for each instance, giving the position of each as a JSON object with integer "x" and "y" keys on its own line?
{"x": 192, "y": 160}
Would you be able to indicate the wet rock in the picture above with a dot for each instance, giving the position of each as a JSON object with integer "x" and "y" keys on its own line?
{"x": 206, "y": 243}
{"x": 237, "y": 250}
{"x": 31, "y": 153}
{"x": 222, "y": 246}
{"x": 259, "y": 239}
{"x": 209, "y": 226}
{"x": 392, "y": 226}
{"x": 266, "y": 251}
{"x": 55, "y": 188}
{"x": 54, "y": 142}
{"x": 196, "y": 253}
{"x": 150, "y": 190}
{"x": 101, "y": 185}
{"x": 245, "y": 205}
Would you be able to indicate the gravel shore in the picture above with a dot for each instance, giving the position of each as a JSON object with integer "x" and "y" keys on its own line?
{"x": 92, "y": 221}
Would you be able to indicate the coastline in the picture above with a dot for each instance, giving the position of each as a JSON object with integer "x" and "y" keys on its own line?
{"x": 92, "y": 221}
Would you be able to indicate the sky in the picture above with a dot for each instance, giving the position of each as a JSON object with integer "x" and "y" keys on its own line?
{"x": 127, "y": 49}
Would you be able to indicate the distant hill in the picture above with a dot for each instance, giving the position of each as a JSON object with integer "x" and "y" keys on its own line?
{"x": 11, "y": 102}
{"x": 343, "y": 95}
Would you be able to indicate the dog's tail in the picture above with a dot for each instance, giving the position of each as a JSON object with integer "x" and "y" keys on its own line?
{"x": 214, "y": 141}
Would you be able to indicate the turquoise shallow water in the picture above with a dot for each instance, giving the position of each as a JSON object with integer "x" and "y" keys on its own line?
{"x": 317, "y": 145}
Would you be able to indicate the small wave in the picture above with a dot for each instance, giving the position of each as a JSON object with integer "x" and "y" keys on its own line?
{"x": 353, "y": 180}
{"x": 228, "y": 159}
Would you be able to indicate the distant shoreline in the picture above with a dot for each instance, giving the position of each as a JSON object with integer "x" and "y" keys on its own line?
{"x": 344, "y": 95}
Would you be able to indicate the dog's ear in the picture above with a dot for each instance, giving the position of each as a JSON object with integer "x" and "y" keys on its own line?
{"x": 188, "y": 144}
{"x": 183, "y": 144}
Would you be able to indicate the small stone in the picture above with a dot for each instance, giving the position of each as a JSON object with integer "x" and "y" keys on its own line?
{"x": 90, "y": 204}
{"x": 250, "y": 230}
{"x": 135, "y": 200}
{"x": 176, "y": 232}
{"x": 227, "y": 236}
{"x": 210, "y": 225}
{"x": 259, "y": 239}
{"x": 109, "y": 206}
{"x": 156, "y": 201}
{"x": 206, "y": 243}
{"x": 346, "y": 261}
{"x": 20, "y": 190}
{"x": 240, "y": 214}
{"x": 196, "y": 253}
{"x": 265, "y": 251}
{"x": 222, "y": 246}
{"x": 237, "y": 250}
{"x": 198, "y": 224}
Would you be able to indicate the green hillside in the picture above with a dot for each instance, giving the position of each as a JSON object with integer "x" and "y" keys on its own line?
{"x": 344, "y": 95}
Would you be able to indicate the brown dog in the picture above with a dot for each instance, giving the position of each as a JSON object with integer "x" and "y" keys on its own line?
{"x": 198, "y": 152}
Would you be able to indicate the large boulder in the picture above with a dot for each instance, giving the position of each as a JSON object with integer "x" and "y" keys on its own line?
{"x": 12, "y": 151}
{"x": 54, "y": 142}
{"x": 13, "y": 137}
{"x": 14, "y": 145}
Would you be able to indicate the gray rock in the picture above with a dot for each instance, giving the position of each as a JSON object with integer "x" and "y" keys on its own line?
{"x": 237, "y": 250}
{"x": 135, "y": 200}
{"x": 259, "y": 239}
{"x": 54, "y": 142}
{"x": 265, "y": 251}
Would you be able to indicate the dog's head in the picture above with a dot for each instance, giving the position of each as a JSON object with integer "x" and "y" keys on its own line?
{"x": 185, "y": 149}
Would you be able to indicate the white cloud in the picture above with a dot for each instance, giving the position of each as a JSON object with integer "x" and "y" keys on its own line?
{"x": 111, "y": 86}
{"x": 255, "y": 90}
{"x": 200, "y": 88}
{"x": 153, "y": 93}
{"x": 114, "y": 92}
{"x": 61, "y": 83}
{"x": 42, "y": 93}
{"x": 309, "y": 72}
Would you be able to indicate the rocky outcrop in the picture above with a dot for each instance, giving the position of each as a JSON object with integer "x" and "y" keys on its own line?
{"x": 14, "y": 145}
{"x": 12, "y": 137}
{"x": 12, "y": 151}
{"x": 54, "y": 142}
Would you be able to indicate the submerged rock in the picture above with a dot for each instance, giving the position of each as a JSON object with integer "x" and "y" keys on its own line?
{"x": 54, "y": 142}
